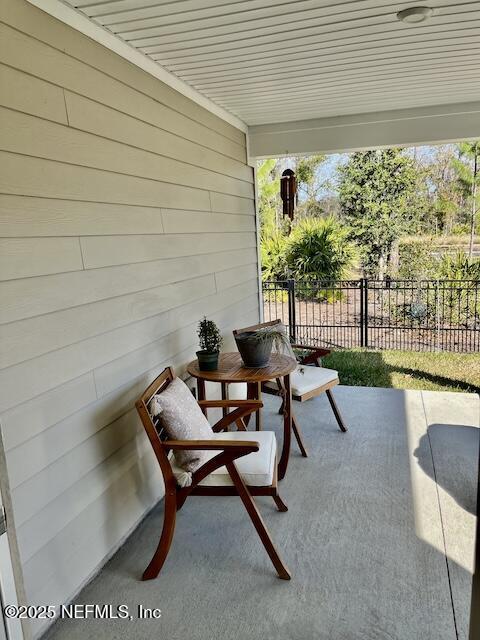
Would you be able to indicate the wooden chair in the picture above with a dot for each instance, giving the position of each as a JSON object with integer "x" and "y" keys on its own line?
{"x": 306, "y": 381}
{"x": 235, "y": 458}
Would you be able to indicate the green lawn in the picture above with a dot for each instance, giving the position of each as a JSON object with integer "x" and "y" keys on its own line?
{"x": 407, "y": 369}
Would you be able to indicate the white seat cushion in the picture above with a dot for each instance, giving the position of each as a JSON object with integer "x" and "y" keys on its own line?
{"x": 256, "y": 468}
{"x": 305, "y": 379}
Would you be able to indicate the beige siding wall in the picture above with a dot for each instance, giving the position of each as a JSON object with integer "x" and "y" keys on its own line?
{"x": 126, "y": 213}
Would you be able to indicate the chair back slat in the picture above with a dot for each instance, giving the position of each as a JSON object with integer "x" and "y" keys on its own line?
{"x": 256, "y": 327}
{"x": 153, "y": 425}
{"x": 157, "y": 423}
{"x": 284, "y": 348}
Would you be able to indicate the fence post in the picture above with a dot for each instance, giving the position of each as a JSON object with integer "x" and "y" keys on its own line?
{"x": 292, "y": 321}
{"x": 365, "y": 312}
{"x": 362, "y": 336}
{"x": 437, "y": 315}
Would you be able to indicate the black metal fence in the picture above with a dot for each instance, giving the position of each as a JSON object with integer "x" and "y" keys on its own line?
{"x": 426, "y": 315}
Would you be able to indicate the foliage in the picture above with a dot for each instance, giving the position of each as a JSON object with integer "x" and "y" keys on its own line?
{"x": 319, "y": 249}
{"x": 306, "y": 167}
{"x": 209, "y": 336}
{"x": 416, "y": 260}
{"x": 380, "y": 197}
{"x": 449, "y": 301}
{"x": 376, "y": 192}
{"x": 268, "y": 179}
{"x": 459, "y": 267}
{"x": 468, "y": 168}
{"x": 440, "y": 188}
{"x": 278, "y": 337}
{"x": 460, "y": 229}
{"x": 464, "y": 166}
{"x": 272, "y": 254}
{"x": 308, "y": 186}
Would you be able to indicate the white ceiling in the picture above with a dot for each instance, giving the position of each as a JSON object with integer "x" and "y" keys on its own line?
{"x": 269, "y": 61}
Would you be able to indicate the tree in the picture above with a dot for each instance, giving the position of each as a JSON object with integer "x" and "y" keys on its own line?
{"x": 444, "y": 198}
{"x": 268, "y": 181}
{"x": 468, "y": 169}
{"x": 309, "y": 186}
{"x": 377, "y": 190}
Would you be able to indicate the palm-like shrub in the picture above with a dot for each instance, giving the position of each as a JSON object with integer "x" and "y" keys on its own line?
{"x": 459, "y": 304}
{"x": 272, "y": 251}
{"x": 318, "y": 252}
{"x": 459, "y": 267}
{"x": 319, "y": 249}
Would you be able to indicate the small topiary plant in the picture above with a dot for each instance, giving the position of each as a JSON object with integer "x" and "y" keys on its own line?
{"x": 209, "y": 336}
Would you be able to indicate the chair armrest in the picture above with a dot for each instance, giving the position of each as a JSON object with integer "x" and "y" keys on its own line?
{"x": 319, "y": 350}
{"x": 228, "y": 452}
{"x": 212, "y": 445}
{"x": 314, "y": 356}
{"x": 243, "y": 408}
{"x": 247, "y": 404}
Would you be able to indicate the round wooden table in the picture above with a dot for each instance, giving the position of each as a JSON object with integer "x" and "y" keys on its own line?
{"x": 231, "y": 369}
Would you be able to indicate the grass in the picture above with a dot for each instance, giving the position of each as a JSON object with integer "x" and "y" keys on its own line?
{"x": 407, "y": 369}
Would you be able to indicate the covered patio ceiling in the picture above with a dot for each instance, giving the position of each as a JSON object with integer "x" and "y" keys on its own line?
{"x": 274, "y": 61}
{"x": 306, "y": 64}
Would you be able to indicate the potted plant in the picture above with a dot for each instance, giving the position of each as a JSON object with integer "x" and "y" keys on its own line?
{"x": 256, "y": 346}
{"x": 210, "y": 342}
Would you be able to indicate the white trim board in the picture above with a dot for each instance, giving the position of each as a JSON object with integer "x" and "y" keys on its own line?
{"x": 404, "y": 127}
{"x": 80, "y": 22}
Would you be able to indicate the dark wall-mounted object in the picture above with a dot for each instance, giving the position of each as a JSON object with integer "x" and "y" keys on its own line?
{"x": 288, "y": 192}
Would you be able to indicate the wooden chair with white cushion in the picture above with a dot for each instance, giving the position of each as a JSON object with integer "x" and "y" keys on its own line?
{"x": 309, "y": 380}
{"x": 197, "y": 459}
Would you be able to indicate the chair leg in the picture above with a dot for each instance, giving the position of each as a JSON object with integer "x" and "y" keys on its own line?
{"x": 257, "y": 389}
{"x": 224, "y": 387}
{"x": 281, "y": 506}
{"x": 280, "y": 391}
{"x": 250, "y": 396}
{"x": 165, "y": 542}
{"x": 241, "y": 426}
{"x": 336, "y": 412}
{"x": 298, "y": 437}
{"x": 295, "y": 429}
{"x": 258, "y": 523}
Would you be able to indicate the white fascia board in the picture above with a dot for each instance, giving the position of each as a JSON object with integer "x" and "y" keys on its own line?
{"x": 405, "y": 127}
{"x": 77, "y": 20}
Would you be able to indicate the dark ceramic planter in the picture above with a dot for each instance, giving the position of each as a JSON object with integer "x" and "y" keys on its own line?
{"x": 207, "y": 361}
{"x": 255, "y": 353}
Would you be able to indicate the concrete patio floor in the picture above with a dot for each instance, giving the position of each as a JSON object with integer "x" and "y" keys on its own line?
{"x": 378, "y": 536}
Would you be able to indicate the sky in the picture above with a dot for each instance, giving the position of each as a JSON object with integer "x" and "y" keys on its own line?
{"x": 327, "y": 171}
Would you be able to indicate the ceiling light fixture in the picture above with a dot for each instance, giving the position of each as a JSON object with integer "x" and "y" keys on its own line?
{"x": 414, "y": 15}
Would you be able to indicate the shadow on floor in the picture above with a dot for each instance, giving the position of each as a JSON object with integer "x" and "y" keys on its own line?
{"x": 457, "y": 445}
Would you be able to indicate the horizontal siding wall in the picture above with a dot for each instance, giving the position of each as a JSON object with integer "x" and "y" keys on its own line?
{"x": 126, "y": 214}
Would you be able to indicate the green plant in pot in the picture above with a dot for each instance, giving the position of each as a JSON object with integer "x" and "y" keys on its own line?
{"x": 210, "y": 342}
{"x": 255, "y": 347}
